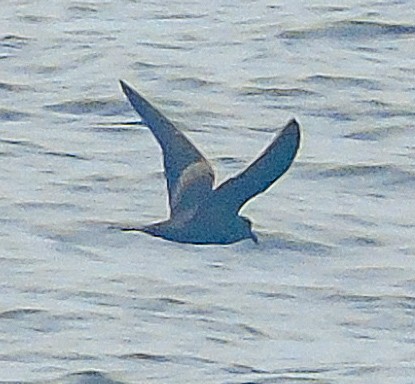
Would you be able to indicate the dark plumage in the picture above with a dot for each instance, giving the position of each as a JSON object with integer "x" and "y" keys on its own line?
{"x": 199, "y": 212}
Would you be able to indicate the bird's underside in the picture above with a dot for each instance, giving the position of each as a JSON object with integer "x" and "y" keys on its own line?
{"x": 200, "y": 213}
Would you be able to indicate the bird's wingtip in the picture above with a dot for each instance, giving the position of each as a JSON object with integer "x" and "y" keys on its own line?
{"x": 124, "y": 85}
{"x": 294, "y": 122}
{"x": 128, "y": 91}
{"x": 292, "y": 127}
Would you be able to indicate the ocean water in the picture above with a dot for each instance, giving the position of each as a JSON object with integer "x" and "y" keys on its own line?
{"x": 328, "y": 294}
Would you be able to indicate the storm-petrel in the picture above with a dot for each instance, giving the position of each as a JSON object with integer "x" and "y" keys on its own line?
{"x": 200, "y": 212}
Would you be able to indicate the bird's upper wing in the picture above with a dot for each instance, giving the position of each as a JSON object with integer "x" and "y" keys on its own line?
{"x": 271, "y": 164}
{"x": 189, "y": 175}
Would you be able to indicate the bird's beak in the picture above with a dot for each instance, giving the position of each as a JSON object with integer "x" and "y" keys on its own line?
{"x": 254, "y": 237}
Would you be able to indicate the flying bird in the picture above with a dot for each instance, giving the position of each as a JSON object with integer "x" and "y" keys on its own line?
{"x": 200, "y": 212}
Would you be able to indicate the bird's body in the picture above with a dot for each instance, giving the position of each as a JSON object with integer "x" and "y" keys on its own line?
{"x": 199, "y": 212}
{"x": 209, "y": 224}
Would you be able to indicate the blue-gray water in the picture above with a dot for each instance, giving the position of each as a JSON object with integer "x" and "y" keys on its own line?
{"x": 328, "y": 296}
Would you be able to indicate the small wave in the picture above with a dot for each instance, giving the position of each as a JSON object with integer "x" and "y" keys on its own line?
{"x": 359, "y": 299}
{"x": 13, "y": 41}
{"x": 281, "y": 241}
{"x": 328, "y": 8}
{"x": 117, "y": 126}
{"x": 283, "y": 375}
{"x": 147, "y": 356}
{"x": 10, "y": 115}
{"x": 276, "y": 92}
{"x": 375, "y": 134}
{"x": 351, "y": 30}
{"x": 249, "y": 331}
{"x": 360, "y": 241}
{"x": 228, "y": 160}
{"x": 88, "y": 106}
{"x": 344, "y": 81}
{"x": 240, "y": 369}
{"x": 175, "y": 359}
{"x": 191, "y": 82}
{"x": 65, "y": 154}
{"x": 33, "y": 147}
{"x": 380, "y": 109}
{"x": 82, "y": 10}
{"x": 84, "y": 32}
{"x": 86, "y": 377}
{"x": 144, "y": 65}
{"x": 385, "y": 173}
{"x": 13, "y": 87}
{"x": 47, "y": 205}
{"x": 164, "y": 46}
{"x": 273, "y": 295}
{"x": 375, "y": 301}
{"x": 355, "y": 170}
{"x": 20, "y": 313}
{"x": 179, "y": 16}
{"x": 37, "y": 19}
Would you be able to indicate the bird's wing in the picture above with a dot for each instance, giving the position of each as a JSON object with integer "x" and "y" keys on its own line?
{"x": 271, "y": 164}
{"x": 189, "y": 175}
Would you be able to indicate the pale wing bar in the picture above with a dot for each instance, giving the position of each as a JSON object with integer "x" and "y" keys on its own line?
{"x": 178, "y": 152}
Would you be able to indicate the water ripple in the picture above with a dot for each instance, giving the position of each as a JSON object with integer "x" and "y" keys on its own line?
{"x": 12, "y": 115}
{"x": 14, "y": 41}
{"x": 387, "y": 174}
{"x": 88, "y": 106}
{"x": 376, "y": 134}
{"x": 276, "y": 92}
{"x": 18, "y": 314}
{"x": 330, "y": 298}
{"x": 337, "y": 81}
{"x": 11, "y": 87}
{"x": 351, "y": 30}
{"x": 86, "y": 377}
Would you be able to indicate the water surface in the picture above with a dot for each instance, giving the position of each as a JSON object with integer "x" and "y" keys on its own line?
{"x": 328, "y": 296}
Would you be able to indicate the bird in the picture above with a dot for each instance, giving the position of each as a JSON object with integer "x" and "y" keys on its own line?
{"x": 200, "y": 212}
